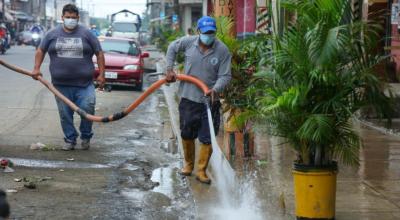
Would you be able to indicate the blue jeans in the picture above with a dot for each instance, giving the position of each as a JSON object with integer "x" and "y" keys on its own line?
{"x": 85, "y": 98}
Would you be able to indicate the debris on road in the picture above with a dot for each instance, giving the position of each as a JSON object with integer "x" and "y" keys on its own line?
{"x": 6, "y": 165}
{"x": 31, "y": 182}
{"x": 37, "y": 146}
{"x": 40, "y": 146}
{"x": 30, "y": 185}
{"x": 8, "y": 170}
{"x": 11, "y": 191}
{"x": 47, "y": 178}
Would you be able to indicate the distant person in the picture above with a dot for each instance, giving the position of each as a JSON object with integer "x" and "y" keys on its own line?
{"x": 109, "y": 31}
{"x": 4, "y": 35}
{"x": 190, "y": 32}
{"x": 94, "y": 31}
{"x": 71, "y": 48}
{"x": 13, "y": 33}
{"x": 4, "y": 206}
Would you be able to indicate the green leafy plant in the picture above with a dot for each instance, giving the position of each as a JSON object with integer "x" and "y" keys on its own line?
{"x": 165, "y": 34}
{"x": 247, "y": 55}
{"x": 320, "y": 73}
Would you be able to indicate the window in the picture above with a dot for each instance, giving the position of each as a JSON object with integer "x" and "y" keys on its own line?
{"x": 119, "y": 46}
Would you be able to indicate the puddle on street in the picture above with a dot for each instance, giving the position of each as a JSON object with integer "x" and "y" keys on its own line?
{"x": 123, "y": 152}
{"x": 165, "y": 177}
{"x": 55, "y": 164}
{"x": 128, "y": 166}
{"x": 133, "y": 194}
{"x": 169, "y": 146}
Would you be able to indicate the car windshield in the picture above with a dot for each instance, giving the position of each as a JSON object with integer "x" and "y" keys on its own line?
{"x": 124, "y": 27}
{"x": 119, "y": 46}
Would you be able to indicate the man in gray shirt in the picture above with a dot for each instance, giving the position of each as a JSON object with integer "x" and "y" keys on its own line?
{"x": 71, "y": 48}
{"x": 209, "y": 60}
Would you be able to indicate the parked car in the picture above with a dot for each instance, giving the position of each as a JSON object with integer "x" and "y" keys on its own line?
{"x": 124, "y": 62}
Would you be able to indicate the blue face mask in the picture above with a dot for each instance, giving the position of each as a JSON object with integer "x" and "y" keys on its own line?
{"x": 207, "y": 39}
{"x": 70, "y": 23}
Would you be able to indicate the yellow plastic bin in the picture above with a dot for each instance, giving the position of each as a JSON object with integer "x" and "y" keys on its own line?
{"x": 315, "y": 192}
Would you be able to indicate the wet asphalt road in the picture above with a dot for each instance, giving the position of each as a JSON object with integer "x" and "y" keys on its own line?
{"x": 129, "y": 172}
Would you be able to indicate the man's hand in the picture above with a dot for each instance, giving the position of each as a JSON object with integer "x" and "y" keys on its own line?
{"x": 170, "y": 76}
{"x": 36, "y": 74}
{"x": 101, "y": 80}
{"x": 213, "y": 95}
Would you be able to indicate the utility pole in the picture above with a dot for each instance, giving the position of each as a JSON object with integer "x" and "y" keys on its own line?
{"x": 45, "y": 14}
{"x": 176, "y": 10}
{"x": 162, "y": 11}
{"x": 2, "y": 11}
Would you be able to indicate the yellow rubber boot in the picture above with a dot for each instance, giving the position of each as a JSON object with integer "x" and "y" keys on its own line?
{"x": 189, "y": 154}
{"x": 204, "y": 158}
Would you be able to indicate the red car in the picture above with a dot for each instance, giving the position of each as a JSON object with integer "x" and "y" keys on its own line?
{"x": 124, "y": 62}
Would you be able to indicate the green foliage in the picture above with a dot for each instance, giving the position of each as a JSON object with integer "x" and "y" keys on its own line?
{"x": 321, "y": 72}
{"x": 247, "y": 56}
{"x": 165, "y": 34}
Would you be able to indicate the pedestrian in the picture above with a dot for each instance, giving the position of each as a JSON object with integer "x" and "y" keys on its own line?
{"x": 4, "y": 206}
{"x": 4, "y": 35}
{"x": 209, "y": 60}
{"x": 71, "y": 48}
{"x": 189, "y": 32}
{"x": 94, "y": 30}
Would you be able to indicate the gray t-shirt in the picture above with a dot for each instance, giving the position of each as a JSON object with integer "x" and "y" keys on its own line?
{"x": 71, "y": 55}
{"x": 212, "y": 67}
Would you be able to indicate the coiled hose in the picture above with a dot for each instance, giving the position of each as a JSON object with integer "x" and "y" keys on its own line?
{"x": 115, "y": 116}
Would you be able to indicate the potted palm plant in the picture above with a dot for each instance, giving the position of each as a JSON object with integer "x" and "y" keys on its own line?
{"x": 320, "y": 73}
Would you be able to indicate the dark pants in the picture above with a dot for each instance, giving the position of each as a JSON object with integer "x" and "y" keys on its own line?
{"x": 194, "y": 120}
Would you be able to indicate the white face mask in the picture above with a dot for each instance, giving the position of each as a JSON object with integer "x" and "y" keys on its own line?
{"x": 70, "y": 23}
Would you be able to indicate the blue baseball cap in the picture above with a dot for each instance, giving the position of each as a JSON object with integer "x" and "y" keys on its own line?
{"x": 206, "y": 23}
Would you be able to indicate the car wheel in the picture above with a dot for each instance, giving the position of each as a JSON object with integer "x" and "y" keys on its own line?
{"x": 139, "y": 86}
{"x": 108, "y": 88}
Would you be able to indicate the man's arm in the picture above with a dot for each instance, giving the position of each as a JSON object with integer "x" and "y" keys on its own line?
{"x": 39, "y": 57}
{"x": 102, "y": 66}
{"x": 173, "y": 49}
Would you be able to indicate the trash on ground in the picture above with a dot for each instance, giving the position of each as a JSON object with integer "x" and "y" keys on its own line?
{"x": 30, "y": 185}
{"x": 40, "y": 146}
{"x": 8, "y": 170}
{"x": 46, "y": 178}
{"x": 6, "y": 165}
{"x": 61, "y": 170}
{"x": 70, "y": 159}
{"x": 17, "y": 180}
{"x": 11, "y": 191}
{"x": 37, "y": 146}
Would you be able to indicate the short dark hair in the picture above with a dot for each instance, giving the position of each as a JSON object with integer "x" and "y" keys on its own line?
{"x": 71, "y": 8}
{"x": 4, "y": 206}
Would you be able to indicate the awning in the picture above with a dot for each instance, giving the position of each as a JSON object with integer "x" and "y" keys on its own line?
{"x": 20, "y": 15}
{"x": 8, "y": 17}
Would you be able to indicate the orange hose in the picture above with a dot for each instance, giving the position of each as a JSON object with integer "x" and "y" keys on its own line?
{"x": 116, "y": 116}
